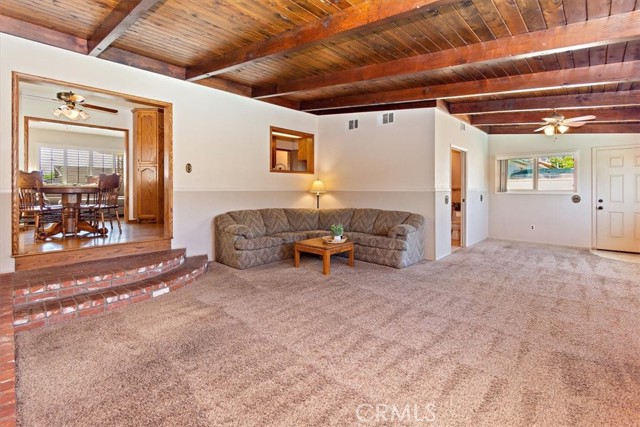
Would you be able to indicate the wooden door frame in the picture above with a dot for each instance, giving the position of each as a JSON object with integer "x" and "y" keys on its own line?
{"x": 594, "y": 189}
{"x": 463, "y": 192}
{"x": 17, "y": 78}
{"x": 124, "y": 179}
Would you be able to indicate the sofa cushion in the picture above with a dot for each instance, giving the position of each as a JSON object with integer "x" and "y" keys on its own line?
{"x": 302, "y": 219}
{"x": 380, "y": 242}
{"x": 363, "y": 220}
{"x": 335, "y": 216}
{"x": 291, "y": 236}
{"x": 387, "y": 219}
{"x": 257, "y": 243}
{"x": 275, "y": 220}
{"x": 251, "y": 219}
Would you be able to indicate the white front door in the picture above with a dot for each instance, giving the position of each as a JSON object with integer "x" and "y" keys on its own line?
{"x": 618, "y": 199}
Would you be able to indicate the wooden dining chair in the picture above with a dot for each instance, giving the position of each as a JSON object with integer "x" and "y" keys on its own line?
{"x": 31, "y": 202}
{"x": 107, "y": 206}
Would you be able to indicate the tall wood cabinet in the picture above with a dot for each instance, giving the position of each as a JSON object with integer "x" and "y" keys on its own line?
{"x": 148, "y": 134}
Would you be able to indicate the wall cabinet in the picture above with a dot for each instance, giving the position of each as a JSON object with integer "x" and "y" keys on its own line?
{"x": 148, "y": 161}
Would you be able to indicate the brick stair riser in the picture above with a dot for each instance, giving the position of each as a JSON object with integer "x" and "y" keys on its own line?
{"x": 53, "y": 312}
{"x": 67, "y": 288}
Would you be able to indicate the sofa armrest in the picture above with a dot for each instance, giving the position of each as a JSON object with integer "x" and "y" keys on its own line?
{"x": 400, "y": 230}
{"x": 239, "y": 230}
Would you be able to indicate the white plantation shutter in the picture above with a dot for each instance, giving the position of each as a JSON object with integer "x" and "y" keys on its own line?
{"x": 102, "y": 163}
{"x": 73, "y": 166}
{"x": 52, "y": 164}
{"x": 78, "y": 167}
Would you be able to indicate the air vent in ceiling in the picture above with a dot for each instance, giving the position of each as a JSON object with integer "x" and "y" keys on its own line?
{"x": 352, "y": 124}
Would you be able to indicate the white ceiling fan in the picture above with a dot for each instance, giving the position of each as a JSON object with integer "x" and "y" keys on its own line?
{"x": 557, "y": 124}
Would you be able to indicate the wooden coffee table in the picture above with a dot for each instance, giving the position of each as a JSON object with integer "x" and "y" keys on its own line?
{"x": 320, "y": 247}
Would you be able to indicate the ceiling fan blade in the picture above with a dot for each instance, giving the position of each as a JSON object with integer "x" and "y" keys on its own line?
{"x": 542, "y": 128}
{"x": 574, "y": 124}
{"x": 100, "y": 108}
{"x": 579, "y": 119}
{"x": 551, "y": 119}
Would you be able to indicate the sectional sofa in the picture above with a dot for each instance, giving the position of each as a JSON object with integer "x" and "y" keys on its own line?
{"x": 248, "y": 238}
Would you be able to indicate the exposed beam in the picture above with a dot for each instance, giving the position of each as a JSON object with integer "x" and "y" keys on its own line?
{"x": 226, "y": 85}
{"x": 586, "y": 76}
{"x": 535, "y": 117}
{"x": 586, "y": 129}
{"x": 355, "y": 18}
{"x": 400, "y": 106}
{"x": 42, "y": 35}
{"x": 123, "y": 16}
{"x": 138, "y": 61}
{"x": 598, "y": 32}
{"x": 284, "y": 102}
{"x": 587, "y": 100}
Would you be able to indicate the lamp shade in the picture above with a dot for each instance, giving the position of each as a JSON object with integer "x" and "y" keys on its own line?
{"x": 317, "y": 187}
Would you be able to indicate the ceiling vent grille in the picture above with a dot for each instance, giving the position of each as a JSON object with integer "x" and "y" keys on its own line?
{"x": 352, "y": 124}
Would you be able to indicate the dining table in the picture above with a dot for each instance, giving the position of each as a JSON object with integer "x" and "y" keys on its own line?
{"x": 71, "y": 198}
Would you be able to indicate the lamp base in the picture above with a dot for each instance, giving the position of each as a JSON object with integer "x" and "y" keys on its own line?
{"x": 317, "y": 201}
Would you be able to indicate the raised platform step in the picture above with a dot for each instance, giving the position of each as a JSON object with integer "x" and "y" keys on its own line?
{"x": 60, "y": 282}
{"x": 36, "y": 314}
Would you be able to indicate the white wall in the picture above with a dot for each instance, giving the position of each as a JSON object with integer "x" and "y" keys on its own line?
{"x": 449, "y": 132}
{"x": 384, "y": 167}
{"x": 224, "y": 136}
{"x": 404, "y": 166}
{"x": 556, "y": 218}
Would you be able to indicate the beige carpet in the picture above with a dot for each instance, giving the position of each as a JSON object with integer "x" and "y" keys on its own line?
{"x": 499, "y": 334}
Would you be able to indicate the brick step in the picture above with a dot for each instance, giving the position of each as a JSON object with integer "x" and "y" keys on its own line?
{"x": 34, "y": 315}
{"x": 75, "y": 279}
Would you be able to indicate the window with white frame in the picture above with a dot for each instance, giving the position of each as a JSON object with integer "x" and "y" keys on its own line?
{"x": 73, "y": 166}
{"x": 537, "y": 173}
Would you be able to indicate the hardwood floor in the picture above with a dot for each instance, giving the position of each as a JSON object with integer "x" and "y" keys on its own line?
{"x": 132, "y": 232}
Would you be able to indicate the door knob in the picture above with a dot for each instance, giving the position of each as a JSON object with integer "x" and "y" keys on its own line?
{"x": 600, "y": 208}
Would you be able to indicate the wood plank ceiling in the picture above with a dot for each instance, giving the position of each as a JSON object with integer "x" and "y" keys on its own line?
{"x": 500, "y": 65}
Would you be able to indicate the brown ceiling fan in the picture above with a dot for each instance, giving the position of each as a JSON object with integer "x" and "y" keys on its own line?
{"x": 558, "y": 124}
{"x": 72, "y": 101}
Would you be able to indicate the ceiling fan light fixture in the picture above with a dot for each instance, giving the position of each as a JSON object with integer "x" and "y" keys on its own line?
{"x": 549, "y": 130}
{"x": 563, "y": 128}
{"x": 70, "y": 112}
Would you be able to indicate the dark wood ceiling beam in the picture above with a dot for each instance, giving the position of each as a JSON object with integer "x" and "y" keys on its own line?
{"x": 284, "y": 102}
{"x": 586, "y": 100}
{"x": 138, "y": 61}
{"x": 40, "y": 34}
{"x": 225, "y": 85}
{"x": 367, "y": 108}
{"x": 535, "y": 117}
{"x": 586, "y": 129}
{"x": 599, "y": 32}
{"x": 355, "y": 18}
{"x": 123, "y": 16}
{"x": 586, "y": 76}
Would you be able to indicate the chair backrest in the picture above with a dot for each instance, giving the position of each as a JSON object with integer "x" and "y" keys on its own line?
{"x": 108, "y": 186}
{"x": 30, "y": 194}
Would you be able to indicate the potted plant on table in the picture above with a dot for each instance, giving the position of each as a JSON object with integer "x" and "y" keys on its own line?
{"x": 336, "y": 231}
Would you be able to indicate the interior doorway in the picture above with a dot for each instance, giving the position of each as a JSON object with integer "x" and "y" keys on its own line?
{"x": 458, "y": 198}
{"x": 34, "y": 99}
{"x": 617, "y": 197}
